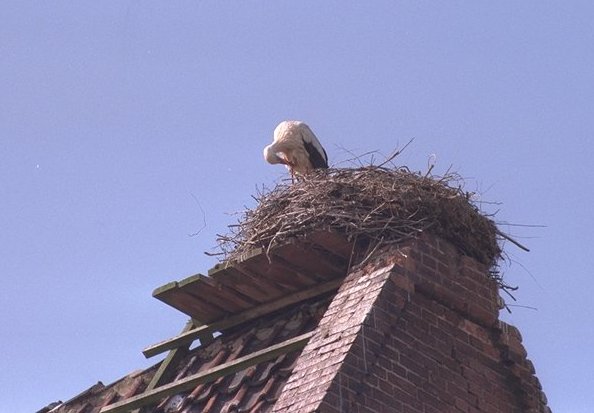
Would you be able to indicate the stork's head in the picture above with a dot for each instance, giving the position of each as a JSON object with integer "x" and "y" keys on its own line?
{"x": 272, "y": 157}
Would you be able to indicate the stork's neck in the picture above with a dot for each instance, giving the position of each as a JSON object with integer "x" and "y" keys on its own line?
{"x": 271, "y": 156}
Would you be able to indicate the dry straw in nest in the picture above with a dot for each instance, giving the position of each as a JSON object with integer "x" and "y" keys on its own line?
{"x": 376, "y": 204}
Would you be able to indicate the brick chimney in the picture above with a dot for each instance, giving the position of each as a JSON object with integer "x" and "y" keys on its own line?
{"x": 414, "y": 330}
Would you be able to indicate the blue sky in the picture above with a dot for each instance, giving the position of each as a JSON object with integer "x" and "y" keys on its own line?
{"x": 126, "y": 126}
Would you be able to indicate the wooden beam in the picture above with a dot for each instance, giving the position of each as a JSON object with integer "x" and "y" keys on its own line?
{"x": 227, "y": 264}
{"x": 186, "y": 303}
{"x": 251, "y": 314}
{"x": 212, "y": 291}
{"x": 174, "y": 356}
{"x": 214, "y": 373}
{"x": 335, "y": 243}
{"x": 164, "y": 372}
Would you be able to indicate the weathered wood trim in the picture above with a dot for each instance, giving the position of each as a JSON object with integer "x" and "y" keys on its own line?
{"x": 173, "y": 356}
{"x": 191, "y": 335}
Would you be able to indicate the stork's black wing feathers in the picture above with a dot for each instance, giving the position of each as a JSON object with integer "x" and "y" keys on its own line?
{"x": 318, "y": 160}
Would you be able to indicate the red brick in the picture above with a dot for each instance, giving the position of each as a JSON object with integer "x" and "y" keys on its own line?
{"x": 427, "y": 341}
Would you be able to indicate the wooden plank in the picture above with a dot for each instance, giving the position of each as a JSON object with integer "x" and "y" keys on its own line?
{"x": 217, "y": 285}
{"x": 256, "y": 266}
{"x": 332, "y": 264}
{"x": 219, "y": 268}
{"x": 314, "y": 258}
{"x": 164, "y": 289}
{"x": 214, "y": 373}
{"x": 244, "y": 257}
{"x": 191, "y": 335}
{"x": 286, "y": 278}
{"x": 163, "y": 373}
{"x": 286, "y": 274}
{"x": 237, "y": 286}
{"x": 298, "y": 270}
{"x": 272, "y": 289}
{"x": 202, "y": 290}
{"x": 187, "y": 303}
{"x": 232, "y": 278}
{"x": 333, "y": 242}
{"x": 302, "y": 277}
{"x": 274, "y": 275}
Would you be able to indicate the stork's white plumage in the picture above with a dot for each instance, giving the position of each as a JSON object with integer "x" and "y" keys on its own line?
{"x": 296, "y": 146}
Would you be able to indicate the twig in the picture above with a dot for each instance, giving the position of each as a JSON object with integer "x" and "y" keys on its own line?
{"x": 203, "y": 217}
{"x": 522, "y": 306}
{"x": 513, "y": 241}
{"x": 396, "y": 153}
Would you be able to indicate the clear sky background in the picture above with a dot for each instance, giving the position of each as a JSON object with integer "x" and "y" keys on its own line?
{"x": 126, "y": 126}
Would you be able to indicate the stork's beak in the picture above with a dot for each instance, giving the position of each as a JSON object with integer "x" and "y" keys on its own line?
{"x": 283, "y": 160}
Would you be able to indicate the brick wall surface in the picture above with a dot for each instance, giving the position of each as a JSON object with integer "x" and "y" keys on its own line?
{"x": 325, "y": 353}
{"x": 415, "y": 330}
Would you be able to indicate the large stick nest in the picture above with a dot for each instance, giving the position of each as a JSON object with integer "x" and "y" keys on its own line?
{"x": 370, "y": 204}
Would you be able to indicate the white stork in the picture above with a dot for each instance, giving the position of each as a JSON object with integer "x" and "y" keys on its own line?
{"x": 296, "y": 147}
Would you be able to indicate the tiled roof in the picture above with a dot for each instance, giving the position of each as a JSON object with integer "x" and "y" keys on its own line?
{"x": 254, "y": 389}
{"x": 95, "y": 397}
